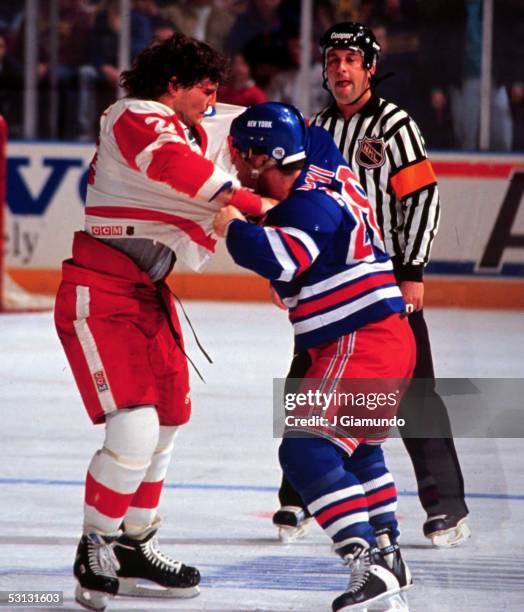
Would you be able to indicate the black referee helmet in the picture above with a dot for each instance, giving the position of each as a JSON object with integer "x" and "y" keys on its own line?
{"x": 351, "y": 35}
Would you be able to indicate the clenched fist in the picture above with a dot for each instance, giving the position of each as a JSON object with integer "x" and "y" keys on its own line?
{"x": 223, "y": 217}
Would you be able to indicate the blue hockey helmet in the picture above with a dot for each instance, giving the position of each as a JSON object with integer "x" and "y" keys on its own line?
{"x": 272, "y": 128}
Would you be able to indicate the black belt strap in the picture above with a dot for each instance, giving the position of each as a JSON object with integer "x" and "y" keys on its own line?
{"x": 172, "y": 329}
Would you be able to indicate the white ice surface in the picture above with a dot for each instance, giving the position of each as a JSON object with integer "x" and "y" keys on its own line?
{"x": 221, "y": 486}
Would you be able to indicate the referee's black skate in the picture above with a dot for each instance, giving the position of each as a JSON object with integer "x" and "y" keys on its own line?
{"x": 95, "y": 569}
{"x": 145, "y": 571}
{"x": 390, "y": 551}
{"x": 447, "y": 530}
{"x": 293, "y": 522}
{"x": 371, "y": 578}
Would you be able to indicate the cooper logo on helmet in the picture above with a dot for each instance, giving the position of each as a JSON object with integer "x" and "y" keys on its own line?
{"x": 342, "y": 35}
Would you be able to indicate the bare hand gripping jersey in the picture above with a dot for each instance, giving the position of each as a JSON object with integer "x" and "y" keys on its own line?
{"x": 151, "y": 179}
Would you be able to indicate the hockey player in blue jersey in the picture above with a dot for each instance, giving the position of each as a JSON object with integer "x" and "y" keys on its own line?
{"x": 324, "y": 255}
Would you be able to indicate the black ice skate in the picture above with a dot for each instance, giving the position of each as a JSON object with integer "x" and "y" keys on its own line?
{"x": 390, "y": 551}
{"x": 293, "y": 522}
{"x": 446, "y": 530}
{"x": 145, "y": 571}
{"x": 371, "y": 578}
{"x": 95, "y": 569}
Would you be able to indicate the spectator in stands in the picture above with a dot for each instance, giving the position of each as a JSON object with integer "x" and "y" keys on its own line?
{"x": 397, "y": 24}
{"x": 104, "y": 38}
{"x": 99, "y": 80}
{"x": 11, "y": 84}
{"x": 284, "y": 86}
{"x": 73, "y": 31}
{"x": 324, "y": 16}
{"x": 451, "y": 52}
{"x": 402, "y": 20}
{"x": 162, "y": 30}
{"x": 233, "y": 7}
{"x": 353, "y": 10}
{"x": 149, "y": 9}
{"x": 400, "y": 80}
{"x": 517, "y": 106}
{"x": 258, "y": 34}
{"x": 261, "y": 19}
{"x": 201, "y": 19}
{"x": 240, "y": 88}
{"x": 146, "y": 7}
{"x": 11, "y": 15}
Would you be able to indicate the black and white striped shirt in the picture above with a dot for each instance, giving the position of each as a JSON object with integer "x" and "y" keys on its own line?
{"x": 386, "y": 151}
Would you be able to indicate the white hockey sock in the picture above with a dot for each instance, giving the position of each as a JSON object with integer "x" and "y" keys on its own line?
{"x": 144, "y": 505}
{"x": 118, "y": 468}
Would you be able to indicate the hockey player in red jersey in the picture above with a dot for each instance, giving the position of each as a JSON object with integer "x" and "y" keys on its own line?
{"x": 152, "y": 193}
{"x": 325, "y": 257}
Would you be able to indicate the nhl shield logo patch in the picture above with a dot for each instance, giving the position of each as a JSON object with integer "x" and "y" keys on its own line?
{"x": 371, "y": 153}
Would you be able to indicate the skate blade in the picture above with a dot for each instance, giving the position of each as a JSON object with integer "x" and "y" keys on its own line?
{"x": 131, "y": 587}
{"x": 449, "y": 538}
{"x": 92, "y": 600}
{"x": 394, "y": 603}
{"x": 287, "y": 535}
{"x": 382, "y": 603}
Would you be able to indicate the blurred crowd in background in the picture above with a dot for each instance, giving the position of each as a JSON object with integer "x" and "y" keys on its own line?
{"x": 432, "y": 47}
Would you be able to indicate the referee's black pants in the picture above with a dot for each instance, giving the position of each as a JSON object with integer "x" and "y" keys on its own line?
{"x": 437, "y": 468}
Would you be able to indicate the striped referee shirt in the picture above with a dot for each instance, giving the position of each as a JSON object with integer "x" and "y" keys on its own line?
{"x": 385, "y": 149}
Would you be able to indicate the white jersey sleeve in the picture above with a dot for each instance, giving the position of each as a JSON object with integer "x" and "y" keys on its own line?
{"x": 149, "y": 179}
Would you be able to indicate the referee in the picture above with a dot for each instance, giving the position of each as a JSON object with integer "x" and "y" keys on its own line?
{"x": 386, "y": 151}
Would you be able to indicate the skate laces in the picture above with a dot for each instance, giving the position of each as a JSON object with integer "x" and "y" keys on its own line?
{"x": 158, "y": 558}
{"x": 359, "y": 566}
{"x": 101, "y": 556}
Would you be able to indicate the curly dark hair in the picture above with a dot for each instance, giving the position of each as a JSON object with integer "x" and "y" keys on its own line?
{"x": 186, "y": 59}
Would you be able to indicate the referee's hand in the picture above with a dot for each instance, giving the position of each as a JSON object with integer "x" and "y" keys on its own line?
{"x": 413, "y": 293}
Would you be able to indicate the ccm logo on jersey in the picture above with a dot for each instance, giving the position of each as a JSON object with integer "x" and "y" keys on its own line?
{"x": 370, "y": 153}
{"x": 100, "y": 381}
{"x": 107, "y": 230}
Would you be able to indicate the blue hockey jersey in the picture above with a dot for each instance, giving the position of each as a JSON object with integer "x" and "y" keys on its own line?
{"x": 322, "y": 249}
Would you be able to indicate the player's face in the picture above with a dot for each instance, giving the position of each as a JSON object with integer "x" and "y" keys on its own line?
{"x": 247, "y": 170}
{"x": 191, "y": 103}
{"x": 274, "y": 184}
{"x": 346, "y": 74}
{"x": 259, "y": 172}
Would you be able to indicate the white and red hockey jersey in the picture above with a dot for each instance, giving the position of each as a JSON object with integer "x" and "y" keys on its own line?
{"x": 150, "y": 179}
